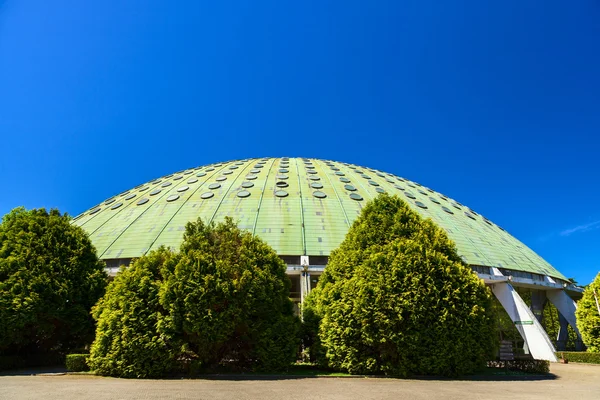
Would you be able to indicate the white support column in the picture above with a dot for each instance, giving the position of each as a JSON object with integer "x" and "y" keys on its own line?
{"x": 531, "y": 330}
{"x": 566, "y": 306}
{"x": 563, "y": 333}
{"x": 304, "y": 285}
{"x": 304, "y": 278}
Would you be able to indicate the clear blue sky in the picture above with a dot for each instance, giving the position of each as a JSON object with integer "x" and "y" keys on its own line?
{"x": 496, "y": 104}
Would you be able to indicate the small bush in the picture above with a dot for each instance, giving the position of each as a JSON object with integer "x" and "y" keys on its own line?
{"x": 77, "y": 362}
{"x": 529, "y": 366}
{"x": 580, "y": 357}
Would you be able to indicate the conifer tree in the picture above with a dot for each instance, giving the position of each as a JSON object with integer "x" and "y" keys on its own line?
{"x": 396, "y": 298}
{"x": 134, "y": 336}
{"x": 50, "y": 277}
{"x": 221, "y": 301}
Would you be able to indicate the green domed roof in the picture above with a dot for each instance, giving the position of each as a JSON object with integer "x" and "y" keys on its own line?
{"x": 299, "y": 206}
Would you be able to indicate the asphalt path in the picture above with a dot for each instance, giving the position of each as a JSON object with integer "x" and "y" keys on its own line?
{"x": 571, "y": 382}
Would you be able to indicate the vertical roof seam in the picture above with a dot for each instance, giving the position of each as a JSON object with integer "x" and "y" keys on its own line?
{"x": 301, "y": 207}
{"x": 338, "y": 197}
{"x": 366, "y": 189}
{"x": 123, "y": 209}
{"x": 172, "y": 216}
{"x": 262, "y": 193}
{"x": 226, "y": 192}
{"x": 175, "y": 213}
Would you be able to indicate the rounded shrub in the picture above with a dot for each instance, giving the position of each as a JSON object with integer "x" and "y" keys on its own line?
{"x": 397, "y": 299}
{"x": 77, "y": 362}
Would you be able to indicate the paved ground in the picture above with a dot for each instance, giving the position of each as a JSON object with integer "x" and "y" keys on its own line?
{"x": 571, "y": 382}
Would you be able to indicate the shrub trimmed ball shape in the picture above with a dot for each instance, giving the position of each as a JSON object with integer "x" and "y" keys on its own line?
{"x": 50, "y": 277}
{"x": 588, "y": 316}
{"x": 221, "y": 301}
{"x": 397, "y": 299}
{"x": 77, "y": 362}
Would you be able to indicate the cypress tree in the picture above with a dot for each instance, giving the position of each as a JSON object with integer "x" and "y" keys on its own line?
{"x": 397, "y": 299}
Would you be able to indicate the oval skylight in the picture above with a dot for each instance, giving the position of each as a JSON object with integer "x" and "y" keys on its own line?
{"x": 355, "y": 196}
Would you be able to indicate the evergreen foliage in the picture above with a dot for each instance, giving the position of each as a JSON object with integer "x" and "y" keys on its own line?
{"x": 309, "y": 332}
{"x": 77, "y": 362}
{"x": 588, "y": 316}
{"x": 579, "y": 357}
{"x": 229, "y": 300}
{"x": 50, "y": 277}
{"x": 221, "y": 301}
{"x": 397, "y": 299}
{"x": 133, "y": 336}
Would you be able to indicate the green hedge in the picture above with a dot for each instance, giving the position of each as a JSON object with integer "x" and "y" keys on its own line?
{"x": 580, "y": 357}
{"x": 77, "y": 362}
{"x": 529, "y": 366}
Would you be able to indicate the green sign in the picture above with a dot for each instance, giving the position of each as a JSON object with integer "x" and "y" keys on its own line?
{"x": 523, "y": 322}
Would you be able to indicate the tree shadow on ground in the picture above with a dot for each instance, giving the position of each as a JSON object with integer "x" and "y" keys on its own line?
{"x": 274, "y": 377}
{"x": 51, "y": 370}
{"x": 492, "y": 378}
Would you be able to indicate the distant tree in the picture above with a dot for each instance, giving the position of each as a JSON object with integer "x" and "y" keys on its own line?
{"x": 396, "y": 298}
{"x": 134, "y": 337}
{"x": 50, "y": 277}
{"x": 588, "y": 316}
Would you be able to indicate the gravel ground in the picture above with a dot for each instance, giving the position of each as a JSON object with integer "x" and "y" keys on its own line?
{"x": 572, "y": 381}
